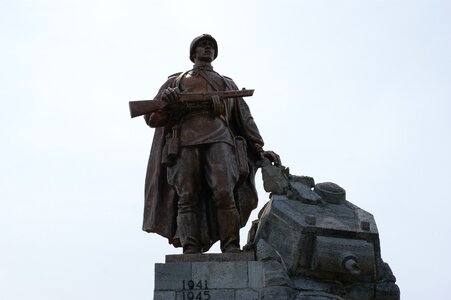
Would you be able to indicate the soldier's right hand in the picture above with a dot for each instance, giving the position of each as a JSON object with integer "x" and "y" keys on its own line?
{"x": 171, "y": 95}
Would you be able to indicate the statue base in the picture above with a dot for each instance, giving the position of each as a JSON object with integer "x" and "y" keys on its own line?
{"x": 239, "y": 276}
{"x": 225, "y": 276}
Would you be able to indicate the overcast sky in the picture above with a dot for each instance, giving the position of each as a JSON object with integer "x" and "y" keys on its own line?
{"x": 353, "y": 92}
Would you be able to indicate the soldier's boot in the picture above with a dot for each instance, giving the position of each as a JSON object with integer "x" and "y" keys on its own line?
{"x": 229, "y": 230}
{"x": 188, "y": 230}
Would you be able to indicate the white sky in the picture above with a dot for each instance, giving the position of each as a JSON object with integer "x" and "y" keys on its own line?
{"x": 354, "y": 92}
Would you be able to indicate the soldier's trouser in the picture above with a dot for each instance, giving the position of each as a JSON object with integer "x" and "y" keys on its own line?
{"x": 213, "y": 165}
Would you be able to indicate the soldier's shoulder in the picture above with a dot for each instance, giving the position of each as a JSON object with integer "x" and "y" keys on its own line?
{"x": 229, "y": 81}
{"x": 174, "y": 75}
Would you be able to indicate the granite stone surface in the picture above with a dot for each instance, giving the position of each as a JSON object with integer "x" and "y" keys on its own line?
{"x": 209, "y": 280}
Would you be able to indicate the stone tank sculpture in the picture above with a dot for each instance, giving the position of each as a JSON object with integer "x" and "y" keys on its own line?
{"x": 314, "y": 244}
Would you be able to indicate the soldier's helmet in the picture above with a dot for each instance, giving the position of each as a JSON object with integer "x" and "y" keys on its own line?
{"x": 192, "y": 47}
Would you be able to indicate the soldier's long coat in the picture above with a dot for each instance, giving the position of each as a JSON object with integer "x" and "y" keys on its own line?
{"x": 160, "y": 209}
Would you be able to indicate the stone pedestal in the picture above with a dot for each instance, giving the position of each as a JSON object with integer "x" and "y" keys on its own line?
{"x": 209, "y": 277}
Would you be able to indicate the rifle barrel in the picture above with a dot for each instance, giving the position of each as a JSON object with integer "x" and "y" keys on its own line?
{"x": 194, "y": 97}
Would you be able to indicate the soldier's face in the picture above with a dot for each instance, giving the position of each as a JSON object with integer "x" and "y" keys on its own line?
{"x": 205, "y": 51}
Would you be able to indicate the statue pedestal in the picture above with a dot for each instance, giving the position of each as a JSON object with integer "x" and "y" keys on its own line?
{"x": 226, "y": 276}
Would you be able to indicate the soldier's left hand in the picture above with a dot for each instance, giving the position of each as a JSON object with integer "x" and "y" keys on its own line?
{"x": 272, "y": 156}
{"x": 171, "y": 95}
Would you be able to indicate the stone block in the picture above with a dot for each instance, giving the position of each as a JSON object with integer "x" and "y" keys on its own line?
{"x": 164, "y": 295}
{"x": 247, "y": 294}
{"x": 171, "y": 275}
{"x": 222, "y": 275}
{"x": 277, "y": 293}
{"x": 255, "y": 274}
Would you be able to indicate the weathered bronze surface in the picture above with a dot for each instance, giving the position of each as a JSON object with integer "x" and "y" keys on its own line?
{"x": 200, "y": 177}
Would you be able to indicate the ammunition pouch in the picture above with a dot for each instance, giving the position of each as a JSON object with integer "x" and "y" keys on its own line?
{"x": 171, "y": 148}
{"x": 241, "y": 158}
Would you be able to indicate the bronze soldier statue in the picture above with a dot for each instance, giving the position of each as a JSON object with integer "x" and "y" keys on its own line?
{"x": 200, "y": 177}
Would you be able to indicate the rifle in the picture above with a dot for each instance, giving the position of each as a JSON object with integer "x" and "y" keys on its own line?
{"x": 143, "y": 107}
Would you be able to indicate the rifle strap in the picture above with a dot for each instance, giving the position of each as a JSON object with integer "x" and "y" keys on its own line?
{"x": 215, "y": 84}
{"x": 179, "y": 79}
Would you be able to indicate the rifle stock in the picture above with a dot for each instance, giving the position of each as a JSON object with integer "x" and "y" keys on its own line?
{"x": 143, "y": 107}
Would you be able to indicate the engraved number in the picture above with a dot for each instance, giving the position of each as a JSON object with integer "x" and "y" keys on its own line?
{"x": 202, "y": 295}
{"x": 195, "y": 290}
{"x": 191, "y": 285}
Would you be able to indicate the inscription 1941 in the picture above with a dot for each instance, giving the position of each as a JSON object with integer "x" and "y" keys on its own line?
{"x": 195, "y": 290}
